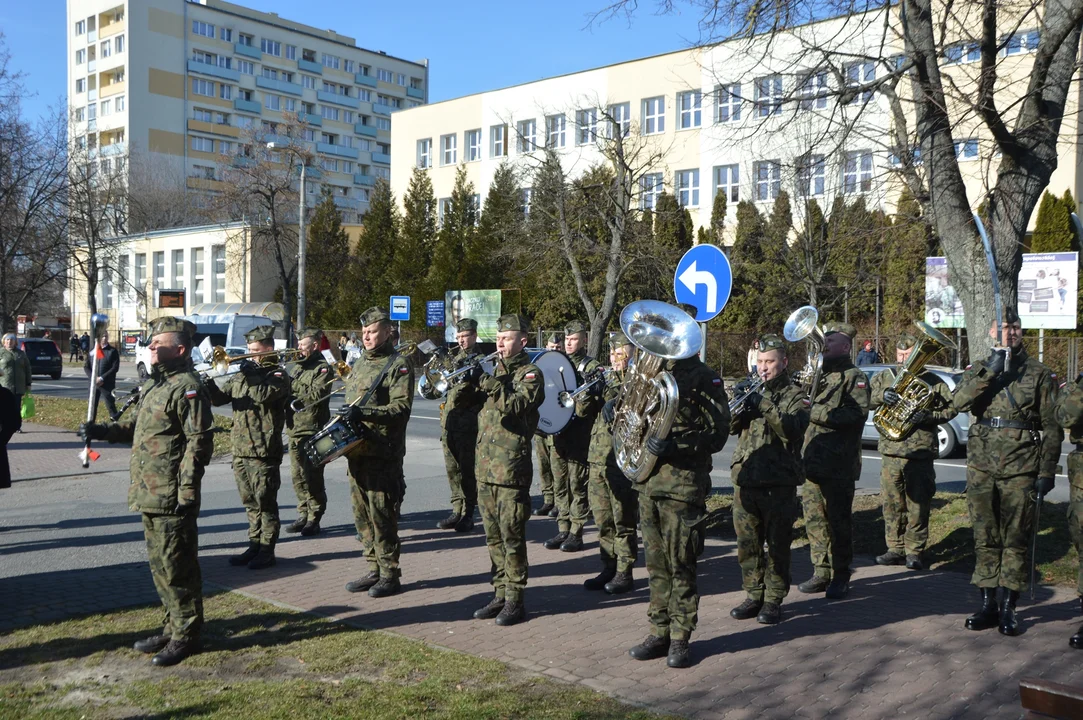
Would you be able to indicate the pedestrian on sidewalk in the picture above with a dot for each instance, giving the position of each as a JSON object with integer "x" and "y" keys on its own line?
{"x": 84, "y": 345}
{"x": 171, "y": 441}
{"x": 74, "y": 353}
{"x": 107, "y": 374}
{"x": 753, "y": 354}
{"x": 867, "y": 355}
{"x": 15, "y": 372}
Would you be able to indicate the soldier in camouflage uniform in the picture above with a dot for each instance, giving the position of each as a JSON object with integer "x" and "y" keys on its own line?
{"x": 543, "y": 445}
{"x": 377, "y": 485}
{"x": 673, "y": 507}
{"x": 310, "y": 382}
{"x": 459, "y": 418}
{"x": 258, "y": 395}
{"x": 1069, "y": 412}
{"x": 506, "y": 423}
{"x": 170, "y": 433}
{"x": 1012, "y": 453}
{"x": 832, "y": 455}
{"x": 570, "y": 448}
{"x": 766, "y": 470}
{"x": 613, "y": 500}
{"x": 907, "y": 475}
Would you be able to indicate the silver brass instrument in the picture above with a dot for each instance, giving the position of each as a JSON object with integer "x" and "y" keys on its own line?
{"x": 802, "y": 325}
{"x": 649, "y": 396}
{"x": 601, "y": 375}
{"x": 440, "y": 379}
{"x": 894, "y": 421}
{"x": 751, "y": 384}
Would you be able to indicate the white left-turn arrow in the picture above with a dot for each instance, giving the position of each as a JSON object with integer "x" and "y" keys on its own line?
{"x": 692, "y": 277}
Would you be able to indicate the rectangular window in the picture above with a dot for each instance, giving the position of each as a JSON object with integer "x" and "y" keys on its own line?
{"x": 424, "y": 153}
{"x": 858, "y": 74}
{"x": 270, "y": 73}
{"x": 586, "y": 124}
{"x": 80, "y": 56}
{"x": 473, "y": 145}
{"x": 272, "y": 102}
{"x": 118, "y": 44}
{"x": 330, "y": 61}
{"x": 1020, "y": 42}
{"x": 349, "y": 66}
{"x": 527, "y": 132}
{"x": 689, "y": 110}
{"x": 200, "y": 144}
{"x": 225, "y": 34}
{"x": 654, "y": 115}
{"x": 291, "y": 52}
{"x": 218, "y": 255}
{"x": 225, "y": 91}
{"x": 810, "y": 175}
{"x": 245, "y": 39}
{"x": 80, "y": 114}
{"x": 384, "y": 75}
{"x": 498, "y": 141}
{"x": 768, "y": 179}
{"x": 202, "y": 87}
{"x": 727, "y": 181}
{"x": 449, "y": 149}
{"x": 159, "y": 268}
{"x": 813, "y": 90}
{"x": 688, "y": 188}
{"x": 178, "y": 269}
{"x": 400, "y": 79}
{"x": 620, "y": 120}
{"x": 80, "y": 27}
{"x": 650, "y": 187}
{"x": 80, "y": 85}
{"x": 121, "y": 103}
{"x": 202, "y": 28}
{"x": 140, "y": 279}
{"x": 308, "y": 81}
{"x": 107, "y": 107}
{"x": 964, "y": 149}
{"x": 92, "y": 112}
{"x": 246, "y": 67}
{"x": 768, "y": 96}
{"x": 383, "y": 123}
{"x": 526, "y": 197}
{"x": 554, "y": 128}
{"x": 197, "y": 276}
{"x": 857, "y": 172}
{"x": 106, "y": 48}
{"x": 271, "y": 47}
{"x": 328, "y": 112}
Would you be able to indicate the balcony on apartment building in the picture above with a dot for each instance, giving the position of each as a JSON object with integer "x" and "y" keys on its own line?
{"x": 329, "y": 149}
{"x": 114, "y": 148}
{"x": 381, "y": 158}
{"x": 362, "y": 179}
{"x": 249, "y": 106}
{"x": 415, "y": 93}
{"x": 111, "y": 22}
{"x": 203, "y": 183}
{"x": 214, "y": 128}
{"x": 279, "y": 86}
{"x": 195, "y": 66}
{"x": 248, "y": 51}
{"x": 366, "y": 80}
{"x": 310, "y": 66}
{"x": 312, "y": 119}
{"x": 336, "y": 99}
{"x": 366, "y": 130}
{"x": 381, "y": 109}
{"x": 109, "y": 86}
{"x": 345, "y": 202}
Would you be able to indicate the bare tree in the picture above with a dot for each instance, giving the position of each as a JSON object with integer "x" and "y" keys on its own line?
{"x": 157, "y": 196}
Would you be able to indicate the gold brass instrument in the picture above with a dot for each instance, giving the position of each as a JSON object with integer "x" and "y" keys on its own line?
{"x": 221, "y": 359}
{"x": 751, "y": 384}
{"x": 802, "y": 325}
{"x": 894, "y": 421}
{"x": 601, "y": 375}
{"x": 649, "y": 396}
{"x": 342, "y": 371}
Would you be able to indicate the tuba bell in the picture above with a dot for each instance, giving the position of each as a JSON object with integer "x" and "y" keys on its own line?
{"x": 894, "y": 421}
{"x": 649, "y": 396}
{"x": 802, "y": 325}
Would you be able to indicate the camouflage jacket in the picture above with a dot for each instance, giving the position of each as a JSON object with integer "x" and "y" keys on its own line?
{"x": 384, "y": 433}
{"x": 259, "y": 409}
{"x": 922, "y": 442}
{"x": 1069, "y": 413}
{"x": 601, "y": 434}
{"x": 700, "y": 429}
{"x": 171, "y": 436}
{"x": 573, "y": 441}
{"x": 1011, "y": 451}
{"x": 463, "y": 402}
{"x": 769, "y": 439}
{"x": 310, "y": 382}
{"x": 15, "y": 372}
{"x": 833, "y": 440}
{"x": 507, "y": 422}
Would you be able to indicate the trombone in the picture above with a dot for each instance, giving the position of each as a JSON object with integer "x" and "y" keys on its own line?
{"x": 601, "y": 375}
{"x": 342, "y": 371}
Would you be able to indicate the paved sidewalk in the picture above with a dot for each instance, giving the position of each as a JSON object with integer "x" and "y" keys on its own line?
{"x": 41, "y": 451}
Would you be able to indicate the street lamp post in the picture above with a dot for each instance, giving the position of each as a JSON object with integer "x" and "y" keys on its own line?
{"x": 301, "y": 240}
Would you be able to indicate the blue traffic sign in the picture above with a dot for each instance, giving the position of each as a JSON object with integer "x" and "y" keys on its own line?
{"x": 400, "y": 307}
{"x": 704, "y": 280}
{"x": 434, "y": 313}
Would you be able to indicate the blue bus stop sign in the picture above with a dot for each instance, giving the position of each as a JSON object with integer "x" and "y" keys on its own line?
{"x": 400, "y": 307}
{"x": 704, "y": 280}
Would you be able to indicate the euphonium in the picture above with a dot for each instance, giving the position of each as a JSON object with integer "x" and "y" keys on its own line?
{"x": 648, "y": 400}
{"x": 802, "y": 325}
{"x": 894, "y": 421}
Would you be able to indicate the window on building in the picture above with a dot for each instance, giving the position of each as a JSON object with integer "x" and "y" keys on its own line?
{"x": 650, "y": 187}
{"x": 654, "y": 115}
{"x": 80, "y": 56}
{"x": 424, "y": 153}
{"x": 159, "y": 268}
{"x": 728, "y": 103}
{"x": 858, "y": 74}
{"x": 812, "y": 88}
{"x": 449, "y": 149}
{"x": 203, "y": 172}
{"x": 498, "y": 141}
{"x": 857, "y": 172}
{"x": 80, "y": 85}
{"x": 329, "y": 113}
{"x": 80, "y": 114}
{"x": 527, "y": 136}
{"x": 291, "y": 52}
{"x": 197, "y": 276}
{"x": 272, "y": 102}
{"x": 768, "y": 175}
{"x": 768, "y": 96}
{"x": 473, "y": 145}
{"x": 383, "y": 123}
{"x": 330, "y": 61}
{"x": 218, "y": 255}
{"x": 385, "y": 75}
{"x": 689, "y": 112}
{"x": 118, "y": 44}
{"x": 140, "y": 279}
{"x": 966, "y": 149}
{"x": 80, "y": 27}
{"x": 106, "y": 48}
{"x": 246, "y": 67}
{"x": 687, "y": 182}
{"x": 200, "y": 144}
{"x": 202, "y": 87}
{"x": 586, "y": 126}
{"x": 555, "y": 130}
{"x": 225, "y": 91}
{"x": 727, "y": 181}
{"x": 271, "y": 47}
{"x": 270, "y": 73}
{"x": 526, "y": 196}
{"x": 92, "y": 111}
{"x": 246, "y": 39}
{"x": 620, "y": 120}
{"x": 810, "y": 175}
{"x": 121, "y": 103}
{"x": 106, "y": 107}
{"x": 1020, "y": 42}
{"x": 225, "y": 34}
{"x": 201, "y": 28}
{"x": 178, "y": 269}
{"x": 349, "y": 65}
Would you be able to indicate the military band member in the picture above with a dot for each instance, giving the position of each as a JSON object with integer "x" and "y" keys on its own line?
{"x": 506, "y": 423}
{"x": 543, "y": 446}
{"x": 613, "y": 500}
{"x": 310, "y": 383}
{"x": 1012, "y": 453}
{"x": 459, "y": 418}
{"x": 258, "y": 395}
{"x": 832, "y": 455}
{"x": 766, "y": 470}
{"x": 673, "y": 507}
{"x": 377, "y": 485}
{"x": 569, "y": 458}
{"x": 170, "y": 432}
{"x": 1069, "y": 412}
{"x": 907, "y": 475}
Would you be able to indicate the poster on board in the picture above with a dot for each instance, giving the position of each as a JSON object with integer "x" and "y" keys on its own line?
{"x": 480, "y": 305}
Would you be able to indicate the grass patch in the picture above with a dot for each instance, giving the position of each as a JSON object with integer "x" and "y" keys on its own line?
{"x": 951, "y": 540}
{"x": 262, "y": 661}
{"x": 69, "y": 414}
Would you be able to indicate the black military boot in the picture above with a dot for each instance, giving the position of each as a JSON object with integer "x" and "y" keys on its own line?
{"x": 491, "y": 610}
{"x": 265, "y": 558}
{"x": 312, "y": 527}
{"x": 679, "y": 654}
{"x": 989, "y": 615}
{"x": 838, "y": 588}
{"x": 652, "y": 648}
{"x": 891, "y": 558}
{"x": 622, "y": 582}
{"x": 574, "y": 542}
{"x": 554, "y": 513}
{"x": 598, "y": 583}
{"x": 556, "y": 541}
{"x": 245, "y": 557}
{"x": 771, "y": 614}
{"x": 297, "y": 525}
{"x": 1009, "y": 623}
{"x": 544, "y": 510}
{"x": 747, "y": 610}
{"x": 913, "y": 562}
{"x": 385, "y": 588}
{"x": 512, "y": 613}
{"x": 450, "y": 521}
{"x": 1076, "y": 640}
{"x": 175, "y": 651}
{"x": 363, "y": 583}
{"x": 153, "y": 644}
{"x": 814, "y": 584}
{"x": 466, "y": 522}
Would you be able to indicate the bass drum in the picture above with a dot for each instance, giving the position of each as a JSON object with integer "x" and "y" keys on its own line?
{"x": 558, "y": 374}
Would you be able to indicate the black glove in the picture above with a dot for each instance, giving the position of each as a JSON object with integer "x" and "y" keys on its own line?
{"x": 92, "y": 431}
{"x": 609, "y": 411}
{"x": 752, "y": 402}
{"x": 920, "y": 417}
{"x": 351, "y": 414}
{"x": 891, "y": 397}
{"x": 996, "y": 361}
{"x": 249, "y": 367}
{"x": 1044, "y": 484}
{"x": 660, "y": 448}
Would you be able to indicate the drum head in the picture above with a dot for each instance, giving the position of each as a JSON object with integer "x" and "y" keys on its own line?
{"x": 558, "y": 373}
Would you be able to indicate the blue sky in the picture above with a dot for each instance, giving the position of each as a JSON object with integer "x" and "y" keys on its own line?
{"x": 490, "y": 45}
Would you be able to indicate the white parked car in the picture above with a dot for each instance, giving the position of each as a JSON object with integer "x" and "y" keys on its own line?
{"x": 952, "y": 434}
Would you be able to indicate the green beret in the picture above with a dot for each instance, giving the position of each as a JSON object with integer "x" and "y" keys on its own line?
{"x": 263, "y": 333}
{"x": 173, "y": 324}
{"x": 467, "y": 325}
{"x": 771, "y": 341}
{"x": 553, "y": 339}
{"x": 512, "y": 322}
{"x": 619, "y": 339}
{"x": 905, "y": 341}
{"x": 374, "y": 315}
{"x": 574, "y": 327}
{"x": 840, "y": 327}
{"x": 313, "y": 334}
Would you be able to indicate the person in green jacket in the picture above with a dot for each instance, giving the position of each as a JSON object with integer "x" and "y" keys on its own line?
{"x": 15, "y": 374}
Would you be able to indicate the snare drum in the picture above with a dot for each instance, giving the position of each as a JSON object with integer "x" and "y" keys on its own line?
{"x": 558, "y": 375}
{"x": 336, "y": 439}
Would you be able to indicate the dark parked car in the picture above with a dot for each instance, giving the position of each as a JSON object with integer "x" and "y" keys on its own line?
{"x": 952, "y": 435}
{"x": 44, "y": 355}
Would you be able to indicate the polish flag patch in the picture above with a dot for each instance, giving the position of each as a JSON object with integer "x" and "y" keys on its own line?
{"x": 860, "y": 385}
{"x": 807, "y": 402}
{"x": 530, "y": 376}
{"x": 716, "y": 381}
{"x": 191, "y": 393}
{"x": 324, "y": 370}
{"x": 403, "y": 370}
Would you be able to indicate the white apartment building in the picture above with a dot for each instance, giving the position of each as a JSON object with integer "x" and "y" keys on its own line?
{"x": 178, "y": 81}
{"x": 747, "y": 118}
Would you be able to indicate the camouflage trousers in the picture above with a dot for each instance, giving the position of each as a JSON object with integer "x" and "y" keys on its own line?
{"x": 907, "y": 487}
{"x": 504, "y": 513}
{"x": 376, "y": 491}
{"x": 258, "y": 482}
{"x": 569, "y": 491}
{"x": 543, "y": 446}
{"x": 764, "y": 515}
{"x": 1002, "y": 514}
{"x": 672, "y": 540}
{"x": 308, "y": 482}
{"x": 459, "y": 449}
{"x": 829, "y": 523}
{"x": 1075, "y": 509}
{"x": 173, "y": 548}
{"x": 614, "y": 504}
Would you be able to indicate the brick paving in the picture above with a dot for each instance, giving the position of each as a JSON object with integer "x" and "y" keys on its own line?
{"x": 41, "y": 451}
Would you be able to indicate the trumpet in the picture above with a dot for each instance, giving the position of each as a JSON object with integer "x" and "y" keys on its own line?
{"x": 746, "y": 387}
{"x": 440, "y": 379}
{"x": 601, "y": 375}
{"x": 221, "y": 359}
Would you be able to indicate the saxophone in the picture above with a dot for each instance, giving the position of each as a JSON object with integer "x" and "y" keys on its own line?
{"x": 894, "y": 421}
